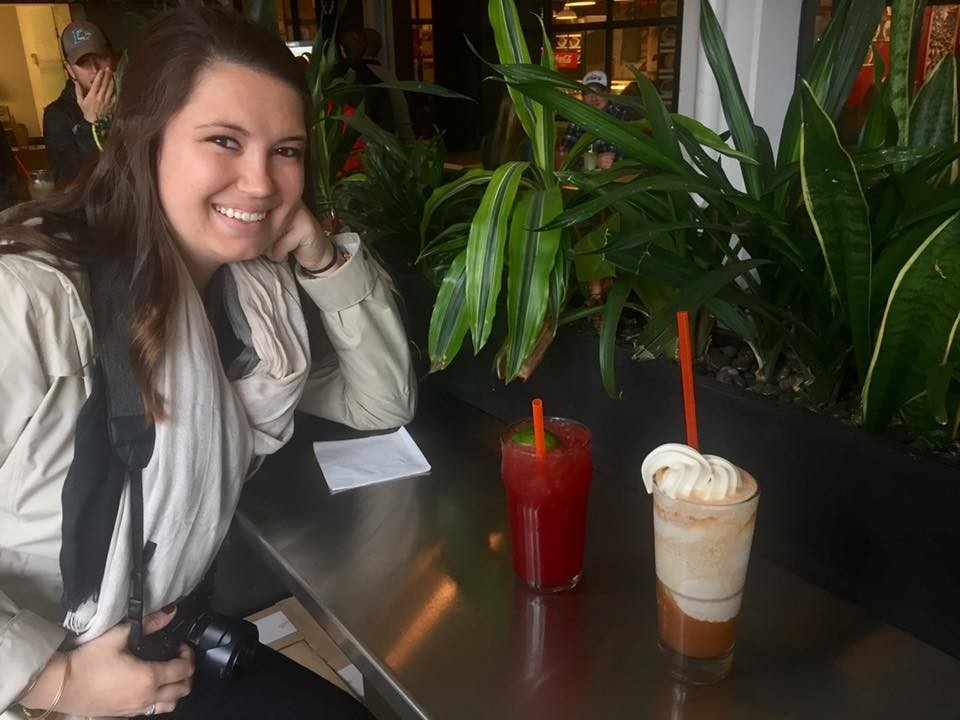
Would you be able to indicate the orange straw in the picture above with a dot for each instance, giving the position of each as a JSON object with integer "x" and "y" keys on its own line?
{"x": 686, "y": 377}
{"x": 539, "y": 440}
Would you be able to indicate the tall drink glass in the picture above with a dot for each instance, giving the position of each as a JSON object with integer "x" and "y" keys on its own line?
{"x": 547, "y": 501}
{"x": 702, "y": 545}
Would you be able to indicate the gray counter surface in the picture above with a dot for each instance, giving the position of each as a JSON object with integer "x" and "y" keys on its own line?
{"x": 413, "y": 578}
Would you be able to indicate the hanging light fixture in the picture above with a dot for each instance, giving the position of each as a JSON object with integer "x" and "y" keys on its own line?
{"x": 581, "y": 3}
{"x": 565, "y": 14}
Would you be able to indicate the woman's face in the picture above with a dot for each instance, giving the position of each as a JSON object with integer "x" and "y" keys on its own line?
{"x": 230, "y": 166}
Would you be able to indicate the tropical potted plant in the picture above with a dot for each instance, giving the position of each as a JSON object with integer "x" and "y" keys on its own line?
{"x": 830, "y": 232}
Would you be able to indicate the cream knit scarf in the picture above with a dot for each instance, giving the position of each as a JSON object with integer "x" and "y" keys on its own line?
{"x": 215, "y": 432}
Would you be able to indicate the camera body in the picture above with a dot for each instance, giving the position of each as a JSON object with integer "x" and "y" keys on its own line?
{"x": 223, "y": 647}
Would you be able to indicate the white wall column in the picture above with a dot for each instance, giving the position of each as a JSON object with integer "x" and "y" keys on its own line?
{"x": 762, "y": 36}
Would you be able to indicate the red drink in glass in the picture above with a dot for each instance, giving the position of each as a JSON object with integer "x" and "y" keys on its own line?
{"x": 547, "y": 501}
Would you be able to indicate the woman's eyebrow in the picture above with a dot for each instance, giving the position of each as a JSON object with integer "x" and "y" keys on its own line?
{"x": 240, "y": 130}
{"x": 227, "y": 126}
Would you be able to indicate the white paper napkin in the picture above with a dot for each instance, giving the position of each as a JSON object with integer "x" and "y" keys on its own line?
{"x": 364, "y": 461}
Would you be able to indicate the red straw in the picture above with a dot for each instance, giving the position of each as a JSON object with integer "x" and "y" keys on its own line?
{"x": 22, "y": 167}
{"x": 686, "y": 376}
{"x": 539, "y": 440}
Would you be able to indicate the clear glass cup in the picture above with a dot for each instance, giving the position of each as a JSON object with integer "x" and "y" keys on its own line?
{"x": 590, "y": 160}
{"x": 702, "y": 551}
{"x": 41, "y": 184}
{"x": 547, "y": 503}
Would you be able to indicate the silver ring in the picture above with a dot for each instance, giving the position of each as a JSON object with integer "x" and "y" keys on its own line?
{"x": 151, "y": 710}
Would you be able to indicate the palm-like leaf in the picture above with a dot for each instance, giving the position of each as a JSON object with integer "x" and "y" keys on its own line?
{"x": 735, "y": 108}
{"x": 449, "y": 322}
{"x": 532, "y": 255}
{"x": 485, "y": 249}
{"x": 841, "y": 220}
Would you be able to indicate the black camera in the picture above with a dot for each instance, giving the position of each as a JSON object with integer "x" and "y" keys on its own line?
{"x": 223, "y": 647}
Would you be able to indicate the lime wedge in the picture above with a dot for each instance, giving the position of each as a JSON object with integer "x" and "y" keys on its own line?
{"x": 524, "y": 436}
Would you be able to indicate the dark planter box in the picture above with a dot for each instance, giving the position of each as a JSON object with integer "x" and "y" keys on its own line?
{"x": 839, "y": 507}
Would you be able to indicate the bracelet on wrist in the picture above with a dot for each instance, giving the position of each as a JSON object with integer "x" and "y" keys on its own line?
{"x": 56, "y": 699}
{"x": 338, "y": 254}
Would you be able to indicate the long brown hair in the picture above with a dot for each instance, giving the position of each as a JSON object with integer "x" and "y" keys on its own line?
{"x": 117, "y": 204}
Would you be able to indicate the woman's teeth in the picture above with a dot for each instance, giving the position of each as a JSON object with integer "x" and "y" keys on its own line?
{"x": 240, "y": 214}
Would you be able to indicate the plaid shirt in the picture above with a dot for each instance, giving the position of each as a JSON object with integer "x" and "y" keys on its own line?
{"x": 575, "y": 132}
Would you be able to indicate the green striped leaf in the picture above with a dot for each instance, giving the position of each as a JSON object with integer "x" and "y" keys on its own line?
{"x": 558, "y": 281}
{"x": 449, "y": 322}
{"x": 858, "y": 29}
{"x": 471, "y": 178}
{"x": 545, "y": 138}
{"x": 632, "y": 143}
{"x": 919, "y": 325}
{"x": 735, "y": 108}
{"x": 704, "y": 287}
{"x": 646, "y": 233}
{"x": 422, "y": 88}
{"x": 512, "y": 50}
{"x": 709, "y": 139}
{"x": 661, "y": 122}
{"x": 833, "y": 67}
{"x": 817, "y": 75}
{"x": 614, "y": 193}
{"x": 905, "y": 28}
{"x": 532, "y": 255}
{"x": 933, "y": 115}
{"x": 840, "y": 218}
{"x": 879, "y": 129}
{"x": 612, "y": 310}
{"x": 485, "y": 249}
{"x": 372, "y": 132}
{"x": 323, "y": 58}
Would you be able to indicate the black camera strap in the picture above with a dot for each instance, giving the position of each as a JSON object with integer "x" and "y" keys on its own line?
{"x": 131, "y": 435}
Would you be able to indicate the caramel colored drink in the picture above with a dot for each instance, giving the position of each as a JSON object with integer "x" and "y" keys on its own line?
{"x": 704, "y": 511}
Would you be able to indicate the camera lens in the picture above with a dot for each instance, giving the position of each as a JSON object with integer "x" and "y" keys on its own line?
{"x": 223, "y": 646}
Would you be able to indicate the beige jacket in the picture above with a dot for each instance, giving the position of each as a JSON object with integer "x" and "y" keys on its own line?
{"x": 46, "y": 356}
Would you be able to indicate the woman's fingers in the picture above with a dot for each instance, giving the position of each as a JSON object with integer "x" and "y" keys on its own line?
{"x": 158, "y": 620}
{"x": 171, "y": 672}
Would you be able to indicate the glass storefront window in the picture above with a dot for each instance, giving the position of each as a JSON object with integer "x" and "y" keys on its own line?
{"x": 613, "y": 35}
{"x": 579, "y": 52}
{"x": 652, "y": 51}
{"x": 643, "y": 9}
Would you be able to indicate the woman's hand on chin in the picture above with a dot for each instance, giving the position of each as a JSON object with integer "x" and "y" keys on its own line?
{"x": 308, "y": 241}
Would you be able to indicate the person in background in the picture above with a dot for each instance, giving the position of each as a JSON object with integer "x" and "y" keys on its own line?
{"x": 89, "y": 62}
{"x": 177, "y": 264}
{"x": 596, "y": 82}
{"x": 8, "y": 174}
{"x": 398, "y": 101}
{"x": 376, "y": 102}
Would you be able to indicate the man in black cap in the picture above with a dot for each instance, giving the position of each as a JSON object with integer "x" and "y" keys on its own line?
{"x": 89, "y": 62}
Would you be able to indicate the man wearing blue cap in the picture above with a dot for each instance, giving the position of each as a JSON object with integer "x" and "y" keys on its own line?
{"x": 89, "y": 62}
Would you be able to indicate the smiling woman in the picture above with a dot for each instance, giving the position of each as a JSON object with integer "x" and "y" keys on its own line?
{"x": 154, "y": 351}
{"x": 230, "y": 172}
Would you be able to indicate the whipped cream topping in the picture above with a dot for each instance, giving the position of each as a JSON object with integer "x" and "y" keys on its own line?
{"x": 682, "y": 472}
